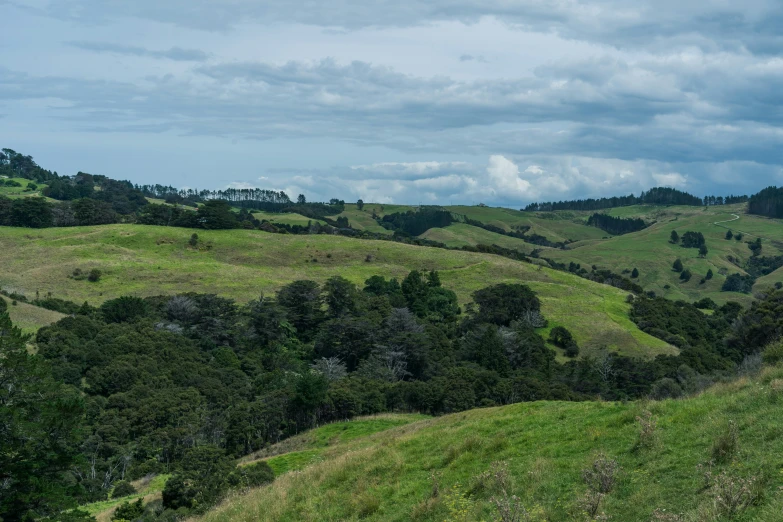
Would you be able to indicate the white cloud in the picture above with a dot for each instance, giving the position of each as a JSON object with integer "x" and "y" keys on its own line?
{"x": 672, "y": 179}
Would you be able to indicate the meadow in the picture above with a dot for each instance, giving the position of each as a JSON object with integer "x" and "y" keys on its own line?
{"x": 243, "y": 264}
{"x": 650, "y": 251}
{"x": 690, "y": 459}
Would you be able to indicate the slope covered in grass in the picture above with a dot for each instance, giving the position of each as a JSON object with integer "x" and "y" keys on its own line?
{"x": 30, "y": 318}
{"x": 431, "y": 470}
{"x": 147, "y": 260}
{"x": 460, "y": 234}
{"x": 650, "y": 251}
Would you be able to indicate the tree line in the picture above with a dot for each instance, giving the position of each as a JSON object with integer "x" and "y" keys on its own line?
{"x": 654, "y": 196}
{"x": 615, "y": 225}
{"x": 768, "y": 202}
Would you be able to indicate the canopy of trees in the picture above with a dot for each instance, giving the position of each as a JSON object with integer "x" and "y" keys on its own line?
{"x": 616, "y": 226}
{"x": 768, "y": 202}
{"x": 654, "y": 196}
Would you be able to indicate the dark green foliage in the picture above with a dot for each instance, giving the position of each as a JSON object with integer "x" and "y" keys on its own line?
{"x": 3, "y": 306}
{"x": 755, "y": 246}
{"x": 760, "y": 325}
{"x": 738, "y": 283}
{"x": 703, "y": 251}
{"x": 759, "y": 266}
{"x": 692, "y": 239}
{"x": 16, "y": 165}
{"x": 635, "y": 273}
{"x": 123, "y": 309}
{"x": 416, "y": 223}
{"x": 677, "y": 265}
{"x": 655, "y": 196}
{"x": 616, "y": 226}
{"x": 57, "y": 304}
{"x": 302, "y": 302}
{"x": 193, "y": 241}
{"x": 201, "y": 479}
{"x": 738, "y": 236}
{"x": 129, "y": 511}
{"x": 94, "y": 276}
{"x": 29, "y": 212}
{"x": 705, "y": 304}
{"x": 709, "y": 274}
{"x": 360, "y": 204}
{"x": 768, "y": 202}
{"x": 123, "y": 488}
{"x": 501, "y": 304}
{"x": 215, "y": 214}
{"x": 686, "y": 275}
{"x": 729, "y": 234}
{"x": 253, "y": 476}
{"x": 674, "y": 238}
{"x": 560, "y": 336}
{"x": 39, "y": 432}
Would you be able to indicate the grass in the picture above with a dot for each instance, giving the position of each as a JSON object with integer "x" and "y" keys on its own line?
{"x": 149, "y": 490}
{"x": 649, "y": 250}
{"x": 460, "y": 234}
{"x": 30, "y": 318}
{"x": 297, "y": 452}
{"x": 20, "y": 192}
{"x": 285, "y": 218}
{"x": 243, "y": 264}
{"x": 431, "y": 469}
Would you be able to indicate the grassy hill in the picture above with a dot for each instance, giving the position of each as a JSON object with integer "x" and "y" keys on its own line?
{"x": 450, "y": 468}
{"x": 30, "y": 318}
{"x": 460, "y": 234}
{"x": 146, "y": 260}
{"x": 285, "y": 218}
{"x": 650, "y": 251}
{"x": 20, "y": 192}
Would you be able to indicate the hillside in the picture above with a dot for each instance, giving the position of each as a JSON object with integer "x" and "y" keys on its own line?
{"x": 432, "y": 469}
{"x": 651, "y": 252}
{"x": 147, "y": 260}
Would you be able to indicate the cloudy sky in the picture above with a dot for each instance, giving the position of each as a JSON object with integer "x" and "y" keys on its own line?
{"x": 432, "y": 101}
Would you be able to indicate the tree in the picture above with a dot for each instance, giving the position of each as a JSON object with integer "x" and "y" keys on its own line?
{"x": 686, "y": 275}
{"x": 129, "y": 511}
{"x": 39, "y": 432}
{"x": 31, "y": 212}
{"x": 503, "y": 303}
{"x": 677, "y": 266}
{"x": 302, "y": 302}
{"x": 123, "y": 309}
{"x": 301, "y": 200}
{"x": 703, "y": 251}
{"x": 692, "y": 239}
{"x": 635, "y": 273}
{"x": 193, "y": 241}
{"x": 674, "y": 238}
{"x": 709, "y": 274}
{"x": 560, "y": 336}
{"x": 340, "y": 296}
{"x": 729, "y": 235}
{"x": 215, "y": 214}
{"x": 360, "y": 204}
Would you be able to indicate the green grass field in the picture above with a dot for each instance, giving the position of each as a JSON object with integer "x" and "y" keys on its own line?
{"x": 149, "y": 490}
{"x": 649, "y": 250}
{"x": 21, "y": 192}
{"x": 243, "y": 264}
{"x": 285, "y": 218}
{"x": 431, "y": 469}
{"x": 460, "y": 234}
{"x": 30, "y": 318}
{"x": 297, "y": 452}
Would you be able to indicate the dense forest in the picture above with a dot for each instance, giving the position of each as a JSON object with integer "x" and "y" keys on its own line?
{"x": 768, "y": 202}
{"x": 158, "y": 385}
{"x": 616, "y": 226}
{"x": 654, "y": 196}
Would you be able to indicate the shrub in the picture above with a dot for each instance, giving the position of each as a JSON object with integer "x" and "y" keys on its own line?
{"x": 686, "y": 275}
{"x": 677, "y": 265}
{"x": 601, "y": 476}
{"x": 123, "y": 488}
{"x": 95, "y": 275}
{"x": 635, "y": 273}
{"x": 253, "y": 476}
{"x": 726, "y": 445}
{"x": 665, "y": 388}
{"x": 773, "y": 353}
{"x": 729, "y": 234}
{"x": 733, "y": 495}
{"x": 123, "y": 309}
{"x": 129, "y": 511}
{"x": 648, "y": 435}
{"x": 709, "y": 274}
{"x": 193, "y": 241}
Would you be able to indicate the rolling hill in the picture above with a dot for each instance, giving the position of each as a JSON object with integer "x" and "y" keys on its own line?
{"x": 715, "y": 456}
{"x": 147, "y": 260}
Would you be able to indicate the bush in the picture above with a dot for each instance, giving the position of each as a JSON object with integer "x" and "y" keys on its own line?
{"x": 773, "y": 353}
{"x": 129, "y": 511}
{"x": 123, "y": 488}
{"x": 726, "y": 445}
{"x": 252, "y": 476}
{"x": 677, "y": 265}
{"x": 560, "y": 336}
{"x": 95, "y": 275}
{"x": 686, "y": 275}
{"x": 193, "y": 241}
{"x": 635, "y": 273}
{"x": 123, "y": 309}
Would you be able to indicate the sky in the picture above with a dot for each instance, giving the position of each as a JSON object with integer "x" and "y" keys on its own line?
{"x": 502, "y": 102}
